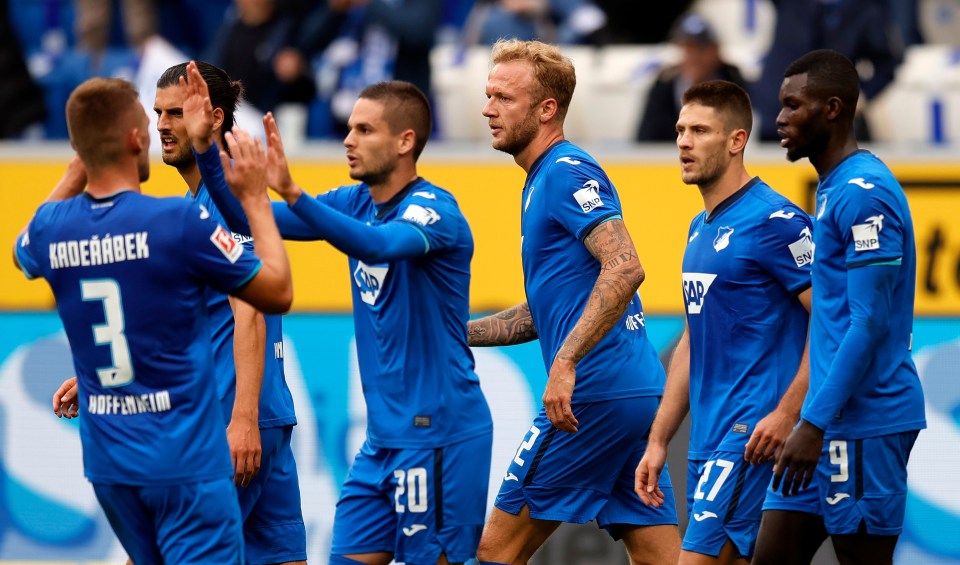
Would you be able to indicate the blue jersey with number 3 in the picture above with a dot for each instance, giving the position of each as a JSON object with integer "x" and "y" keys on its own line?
{"x": 743, "y": 267}
{"x": 862, "y": 219}
{"x": 129, "y": 274}
{"x": 565, "y": 197}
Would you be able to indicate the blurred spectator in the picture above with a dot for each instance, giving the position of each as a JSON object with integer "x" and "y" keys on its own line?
{"x": 700, "y": 62}
{"x": 860, "y": 29}
{"x": 631, "y": 21}
{"x": 360, "y": 42}
{"x": 553, "y": 21}
{"x": 18, "y": 93}
{"x": 94, "y": 21}
{"x": 247, "y": 47}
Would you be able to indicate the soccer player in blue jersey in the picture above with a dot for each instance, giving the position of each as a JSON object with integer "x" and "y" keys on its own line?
{"x": 581, "y": 274}
{"x": 247, "y": 347}
{"x": 865, "y": 405}
{"x": 129, "y": 273}
{"x": 739, "y": 368}
{"x": 416, "y": 492}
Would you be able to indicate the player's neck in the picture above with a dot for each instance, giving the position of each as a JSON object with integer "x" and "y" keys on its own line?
{"x": 840, "y": 146}
{"x": 108, "y": 181}
{"x": 404, "y": 174}
{"x": 546, "y": 137}
{"x": 191, "y": 175}
{"x": 732, "y": 180}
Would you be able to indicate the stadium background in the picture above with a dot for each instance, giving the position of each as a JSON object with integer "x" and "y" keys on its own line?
{"x": 48, "y": 513}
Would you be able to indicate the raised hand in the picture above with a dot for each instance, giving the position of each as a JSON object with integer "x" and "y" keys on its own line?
{"x": 199, "y": 117}
{"x": 247, "y": 174}
{"x": 278, "y": 171}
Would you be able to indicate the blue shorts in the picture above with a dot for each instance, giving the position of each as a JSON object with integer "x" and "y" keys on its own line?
{"x": 587, "y": 475}
{"x": 196, "y": 523}
{"x": 807, "y": 500}
{"x": 415, "y": 503}
{"x": 273, "y": 530}
{"x": 865, "y": 481}
{"x": 725, "y": 498}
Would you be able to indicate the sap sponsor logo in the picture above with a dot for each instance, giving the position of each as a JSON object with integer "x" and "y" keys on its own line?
{"x": 704, "y": 515}
{"x": 421, "y": 215}
{"x": 694, "y": 236}
{"x": 861, "y": 183}
{"x": 635, "y": 321}
{"x": 588, "y": 197}
{"x": 866, "y": 236}
{"x": 224, "y": 241}
{"x": 821, "y": 207}
{"x": 369, "y": 279}
{"x": 529, "y": 196}
{"x": 723, "y": 238}
{"x": 425, "y": 194}
{"x": 204, "y": 213}
{"x": 802, "y": 249}
{"x": 568, "y": 160}
{"x": 413, "y": 529}
{"x": 782, "y": 214}
{"x": 695, "y": 288}
{"x": 510, "y": 477}
{"x": 833, "y": 500}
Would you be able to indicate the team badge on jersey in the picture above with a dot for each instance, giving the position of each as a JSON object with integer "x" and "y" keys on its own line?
{"x": 695, "y": 288}
{"x": 723, "y": 238}
{"x": 369, "y": 279}
{"x": 224, "y": 241}
{"x": 866, "y": 236}
{"x": 802, "y": 249}
{"x": 588, "y": 197}
{"x": 421, "y": 215}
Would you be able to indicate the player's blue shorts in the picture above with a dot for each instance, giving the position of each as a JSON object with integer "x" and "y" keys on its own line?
{"x": 415, "y": 503}
{"x": 196, "y": 523}
{"x": 273, "y": 530}
{"x": 865, "y": 481}
{"x": 589, "y": 474}
{"x": 725, "y": 498}
{"x": 807, "y": 500}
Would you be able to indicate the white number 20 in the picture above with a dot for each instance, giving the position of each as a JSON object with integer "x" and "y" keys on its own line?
{"x": 415, "y": 486}
{"x": 111, "y": 332}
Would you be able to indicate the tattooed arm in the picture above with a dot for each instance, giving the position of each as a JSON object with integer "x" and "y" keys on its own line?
{"x": 509, "y": 327}
{"x": 620, "y": 277}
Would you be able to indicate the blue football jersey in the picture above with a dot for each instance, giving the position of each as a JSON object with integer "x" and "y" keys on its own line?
{"x": 276, "y": 402}
{"x": 411, "y": 323}
{"x": 862, "y": 218}
{"x": 566, "y": 195}
{"x": 129, "y": 274}
{"x": 742, "y": 270}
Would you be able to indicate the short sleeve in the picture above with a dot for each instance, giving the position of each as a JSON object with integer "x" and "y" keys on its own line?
{"x": 870, "y": 223}
{"x": 213, "y": 254}
{"x": 786, "y": 240}
{"x": 433, "y": 216}
{"x": 581, "y": 196}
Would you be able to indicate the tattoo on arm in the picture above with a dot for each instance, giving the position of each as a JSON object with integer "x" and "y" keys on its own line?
{"x": 620, "y": 276}
{"x": 509, "y": 327}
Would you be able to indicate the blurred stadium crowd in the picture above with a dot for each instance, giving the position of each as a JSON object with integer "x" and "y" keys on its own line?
{"x": 307, "y": 59}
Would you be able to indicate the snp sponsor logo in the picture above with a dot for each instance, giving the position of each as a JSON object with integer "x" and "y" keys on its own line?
{"x": 695, "y": 288}
{"x": 369, "y": 279}
{"x": 421, "y": 215}
{"x": 723, "y": 238}
{"x": 802, "y": 249}
{"x": 866, "y": 236}
{"x": 588, "y": 197}
{"x": 241, "y": 238}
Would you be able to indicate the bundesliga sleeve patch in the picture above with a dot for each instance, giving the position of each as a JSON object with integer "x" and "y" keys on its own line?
{"x": 223, "y": 240}
{"x": 588, "y": 197}
{"x": 866, "y": 236}
{"x": 421, "y": 215}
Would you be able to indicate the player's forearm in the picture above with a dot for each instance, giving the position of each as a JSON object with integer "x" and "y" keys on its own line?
{"x": 509, "y": 327}
{"x": 249, "y": 342}
{"x": 676, "y": 395}
{"x": 269, "y": 248}
{"x": 792, "y": 400}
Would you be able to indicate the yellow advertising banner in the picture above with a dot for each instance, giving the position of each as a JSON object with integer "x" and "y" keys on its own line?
{"x": 657, "y": 206}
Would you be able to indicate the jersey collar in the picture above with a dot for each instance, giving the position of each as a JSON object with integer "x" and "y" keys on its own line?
{"x": 389, "y": 205}
{"x": 842, "y": 161}
{"x": 539, "y": 160}
{"x": 730, "y": 200}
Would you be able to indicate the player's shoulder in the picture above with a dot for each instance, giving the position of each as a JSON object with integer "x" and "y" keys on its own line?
{"x": 864, "y": 171}
{"x": 426, "y": 192}
{"x": 768, "y": 204}
{"x": 566, "y": 158}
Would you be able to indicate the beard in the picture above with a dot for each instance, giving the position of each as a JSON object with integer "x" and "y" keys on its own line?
{"x": 817, "y": 138}
{"x": 711, "y": 170}
{"x": 376, "y": 175}
{"x": 182, "y": 158}
{"x": 519, "y": 137}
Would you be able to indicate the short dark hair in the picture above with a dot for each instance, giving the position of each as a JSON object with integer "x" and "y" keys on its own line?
{"x": 100, "y": 112}
{"x": 224, "y": 93}
{"x": 829, "y": 74}
{"x": 404, "y": 107}
{"x": 726, "y": 98}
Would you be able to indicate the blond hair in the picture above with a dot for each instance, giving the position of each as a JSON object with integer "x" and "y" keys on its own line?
{"x": 100, "y": 113}
{"x": 553, "y": 73}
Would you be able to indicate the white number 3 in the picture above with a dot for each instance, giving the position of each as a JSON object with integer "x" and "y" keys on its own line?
{"x": 111, "y": 332}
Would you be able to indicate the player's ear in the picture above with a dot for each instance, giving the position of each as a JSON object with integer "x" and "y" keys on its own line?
{"x": 548, "y": 110}
{"x": 737, "y": 141}
{"x": 833, "y": 107}
{"x": 218, "y": 119}
{"x": 406, "y": 141}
